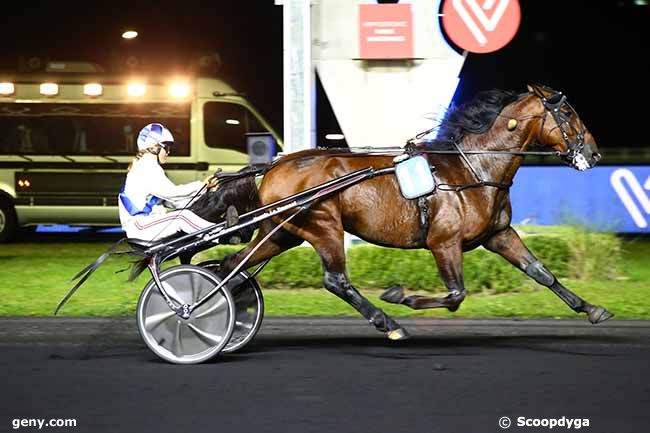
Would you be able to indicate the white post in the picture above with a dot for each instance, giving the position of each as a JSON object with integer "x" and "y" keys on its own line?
{"x": 299, "y": 93}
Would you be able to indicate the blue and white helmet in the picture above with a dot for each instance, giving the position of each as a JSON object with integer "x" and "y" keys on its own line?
{"x": 152, "y": 134}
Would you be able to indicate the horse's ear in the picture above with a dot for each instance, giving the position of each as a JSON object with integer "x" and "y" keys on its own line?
{"x": 541, "y": 90}
{"x": 536, "y": 88}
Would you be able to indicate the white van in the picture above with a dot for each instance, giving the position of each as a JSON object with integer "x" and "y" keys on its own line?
{"x": 66, "y": 140}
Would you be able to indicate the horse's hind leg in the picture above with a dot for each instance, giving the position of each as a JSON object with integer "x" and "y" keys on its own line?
{"x": 338, "y": 283}
{"x": 508, "y": 244}
{"x": 449, "y": 258}
{"x": 325, "y": 234}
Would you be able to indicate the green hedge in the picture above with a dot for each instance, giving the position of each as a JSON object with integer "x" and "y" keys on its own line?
{"x": 567, "y": 251}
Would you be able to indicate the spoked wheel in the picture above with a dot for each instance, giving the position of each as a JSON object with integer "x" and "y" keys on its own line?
{"x": 204, "y": 334}
{"x": 249, "y": 307}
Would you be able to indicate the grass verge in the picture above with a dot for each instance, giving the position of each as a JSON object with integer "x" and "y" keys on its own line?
{"x": 33, "y": 278}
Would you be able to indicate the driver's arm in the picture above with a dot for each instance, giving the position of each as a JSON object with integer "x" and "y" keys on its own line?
{"x": 162, "y": 187}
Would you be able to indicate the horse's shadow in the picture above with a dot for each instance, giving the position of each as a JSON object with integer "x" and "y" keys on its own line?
{"x": 431, "y": 346}
{"x": 98, "y": 346}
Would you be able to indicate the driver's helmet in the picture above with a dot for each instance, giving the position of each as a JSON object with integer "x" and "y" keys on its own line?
{"x": 152, "y": 134}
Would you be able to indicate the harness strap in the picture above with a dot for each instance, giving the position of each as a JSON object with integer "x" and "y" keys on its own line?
{"x": 251, "y": 170}
{"x": 423, "y": 204}
{"x": 458, "y": 188}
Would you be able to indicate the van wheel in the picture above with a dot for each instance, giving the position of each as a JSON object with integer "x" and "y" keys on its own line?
{"x": 7, "y": 221}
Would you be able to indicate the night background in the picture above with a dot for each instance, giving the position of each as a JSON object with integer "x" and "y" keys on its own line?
{"x": 591, "y": 50}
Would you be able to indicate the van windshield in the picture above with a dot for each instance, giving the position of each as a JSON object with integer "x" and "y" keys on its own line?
{"x": 87, "y": 129}
{"x": 226, "y": 125}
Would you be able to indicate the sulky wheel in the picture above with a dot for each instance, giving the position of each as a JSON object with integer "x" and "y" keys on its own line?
{"x": 197, "y": 339}
{"x": 249, "y": 306}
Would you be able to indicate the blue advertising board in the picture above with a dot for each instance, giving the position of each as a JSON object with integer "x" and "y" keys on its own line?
{"x": 615, "y": 198}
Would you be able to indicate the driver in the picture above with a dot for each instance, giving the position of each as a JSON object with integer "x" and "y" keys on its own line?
{"x": 151, "y": 206}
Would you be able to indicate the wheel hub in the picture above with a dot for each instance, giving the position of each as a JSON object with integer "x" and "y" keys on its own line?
{"x": 184, "y": 312}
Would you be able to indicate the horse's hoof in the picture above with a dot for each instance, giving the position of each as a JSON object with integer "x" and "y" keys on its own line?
{"x": 598, "y": 314}
{"x": 381, "y": 322}
{"x": 394, "y": 295}
{"x": 398, "y": 334}
{"x": 454, "y": 300}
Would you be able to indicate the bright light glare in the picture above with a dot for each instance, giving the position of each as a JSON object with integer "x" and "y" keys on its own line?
{"x": 93, "y": 89}
{"x": 7, "y": 88}
{"x": 49, "y": 89}
{"x": 130, "y": 34}
{"x": 334, "y": 137}
{"x": 179, "y": 90}
{"x": 136, "y": 89}
{"x": 232, "y": 121}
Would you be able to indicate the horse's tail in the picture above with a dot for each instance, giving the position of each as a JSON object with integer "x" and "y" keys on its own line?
{"x": 137, "y": 268}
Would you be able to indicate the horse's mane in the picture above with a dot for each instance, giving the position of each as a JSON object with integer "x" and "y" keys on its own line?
{"x": 475, "y": 116}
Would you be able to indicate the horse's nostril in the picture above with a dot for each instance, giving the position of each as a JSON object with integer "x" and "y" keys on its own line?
{"x": 596, "y": 156}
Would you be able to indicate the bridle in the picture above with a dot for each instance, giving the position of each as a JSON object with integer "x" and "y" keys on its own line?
{"x": 562, "y": 112}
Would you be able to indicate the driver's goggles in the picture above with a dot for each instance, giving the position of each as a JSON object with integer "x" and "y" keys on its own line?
{"x": 168, "y": 145}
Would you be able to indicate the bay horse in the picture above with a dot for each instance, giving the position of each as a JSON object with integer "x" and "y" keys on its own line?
{"x": 470, "y": 208}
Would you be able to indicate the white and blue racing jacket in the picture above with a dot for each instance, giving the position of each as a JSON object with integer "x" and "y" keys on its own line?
{"x": 148, "y": 191}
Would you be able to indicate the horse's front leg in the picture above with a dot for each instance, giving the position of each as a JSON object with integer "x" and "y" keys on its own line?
{"x": 449, "y": 258}
{"x": 508, "y": 244}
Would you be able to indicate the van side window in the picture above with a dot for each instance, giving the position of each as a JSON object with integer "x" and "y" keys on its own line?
{"x": 87, "y": 129}
{"x": 225, "y": 125}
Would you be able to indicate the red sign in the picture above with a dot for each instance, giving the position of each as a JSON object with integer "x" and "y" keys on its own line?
{"x": 385, "y": 31}
{"x": 481, "y": 26}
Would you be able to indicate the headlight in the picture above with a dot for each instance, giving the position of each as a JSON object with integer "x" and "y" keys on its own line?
{"x": 136, "y": 89}
{"x": 179, "y": 90}
{"x": 93, "y": 89}
{"x": 7, "y": 88}
{"x": 49, "y": 89}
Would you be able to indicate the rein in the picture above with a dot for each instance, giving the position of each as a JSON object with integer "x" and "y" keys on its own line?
{"x": 394, "y": 151}
{"x": 552, "y": 105}
{"x": 262, "y": 169}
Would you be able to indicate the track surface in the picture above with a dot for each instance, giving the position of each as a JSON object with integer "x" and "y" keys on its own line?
{"x": 331, "y": 375}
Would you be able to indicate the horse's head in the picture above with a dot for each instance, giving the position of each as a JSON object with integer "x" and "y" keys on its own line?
{"x": 562, "y": 130}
